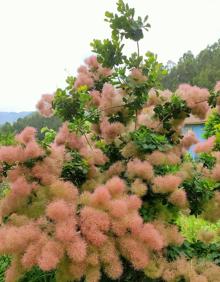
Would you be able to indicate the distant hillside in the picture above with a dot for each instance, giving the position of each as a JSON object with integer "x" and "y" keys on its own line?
{"x": 12, "y": 116}
{"x": 35, "y": 120}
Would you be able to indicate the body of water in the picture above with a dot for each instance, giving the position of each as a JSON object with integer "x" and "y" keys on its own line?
{"x": 198, "y": 130}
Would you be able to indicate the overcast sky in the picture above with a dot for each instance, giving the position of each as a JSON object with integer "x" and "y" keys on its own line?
{"x": 42, "y": 41}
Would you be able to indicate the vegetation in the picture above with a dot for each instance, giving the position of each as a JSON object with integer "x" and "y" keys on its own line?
{"x": 35, "y": 120}
{"x": 202, "y": 70}
{"x": 106, "y": 197}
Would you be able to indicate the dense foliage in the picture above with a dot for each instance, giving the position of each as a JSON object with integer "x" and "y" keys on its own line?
{"x": 202, "y": 70}
{"x": 101, "y": 200}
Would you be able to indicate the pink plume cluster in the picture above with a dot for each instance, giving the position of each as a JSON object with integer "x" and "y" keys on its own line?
{"x": 70, "y": 139}
{"x": 58, "y": 210}
{"x": 166, "y": 184}
{"x": 44, "y": 106}
{"x": 90, "y": 73}
{"x": 164, "y": 158}
{"x": 17, "y": 153}
{"x": 48, "y": 170}
{"x": 116, "y": 169}
{"x": 111, "y": 100}
{"x": 85, "y": 77}
{"x": 148, "y": 120}
{"x": 156, "y": 97}
{"x": 196, "y": 99}
{"x": 189, "y": 139}
{"x": 20, "y": 187}
{"x": 11, "y": 154}
{"x": 178, "y": 198}
{"x": 137, "y": 75}
{"x": 93, "y": 156}
{"x": 56, "y": 226}
{"x": 138, "y": 168}
{"x": 110, "y": 131}
{"x": 165, "y": 95}
{"x": 94, "y": 224}
{"x": 170, "y": 233}
{"x": 27, "y": 135}
{"x": 111, "y": 210}
{"x": 153, "y": 98}
{"x": 96, "y": 97}
{"x": 205, "y": 146}
{"x": 21, "y": 183}
{"x": 92, "y": 62}
{"x": 139, "y": 188}
{"x": 33, "y": 241}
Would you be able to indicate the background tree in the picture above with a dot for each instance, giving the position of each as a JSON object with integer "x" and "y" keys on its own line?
{"x": 202, "y": 70}
{"x": 35, "y": 120}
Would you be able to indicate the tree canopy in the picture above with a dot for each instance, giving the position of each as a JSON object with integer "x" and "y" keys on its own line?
{"x": 202, "y": 70}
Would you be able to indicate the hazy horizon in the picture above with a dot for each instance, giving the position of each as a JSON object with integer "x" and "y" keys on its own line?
{"x": 44, "y": 41}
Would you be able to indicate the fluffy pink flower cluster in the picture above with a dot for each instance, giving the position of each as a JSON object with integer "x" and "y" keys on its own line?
{"x": 50, "y": 168}
{"x": 90, "y": 73}
{"x": 93, "y": 156}
{"x": 109, "y": 225}
{"x": 44, "y": 106}
{"x": 196, "y": 99}
{"x": 178, "y": 198}
{"x": 166, "y": 184}
{"x": 164, "y": 158}
{"x": 27, "y": 149}
{"x": 115, "y": 169}
{"x": 139, "y": 188}
{"x": 147, "y": 119}
{"x": 138, "y": 76}
{"x": 111, "y": 211}
{"x": 156, "y": 97}
{"x": 170, "y": 233}
{"x": 189, "y": 139}
{"x": 52, "y": 226}
{"x": 153, "y": 98}
{"x": 69, "y": 139}
{"x": 205, "y": 146}
{"x": 31, "y": 239}
{"x": 109, "y": 131}
{"x": 111, "y": 100}
{"x": 138, "y": 168}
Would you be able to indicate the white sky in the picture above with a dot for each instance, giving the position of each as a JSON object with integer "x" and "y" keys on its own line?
{"x": 42, "y": 41}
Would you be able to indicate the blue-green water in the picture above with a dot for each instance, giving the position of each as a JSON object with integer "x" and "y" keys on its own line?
{"x": 198, "y": 130}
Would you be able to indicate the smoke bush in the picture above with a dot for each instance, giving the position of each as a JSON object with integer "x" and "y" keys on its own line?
{"x": 74, "y": 205}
